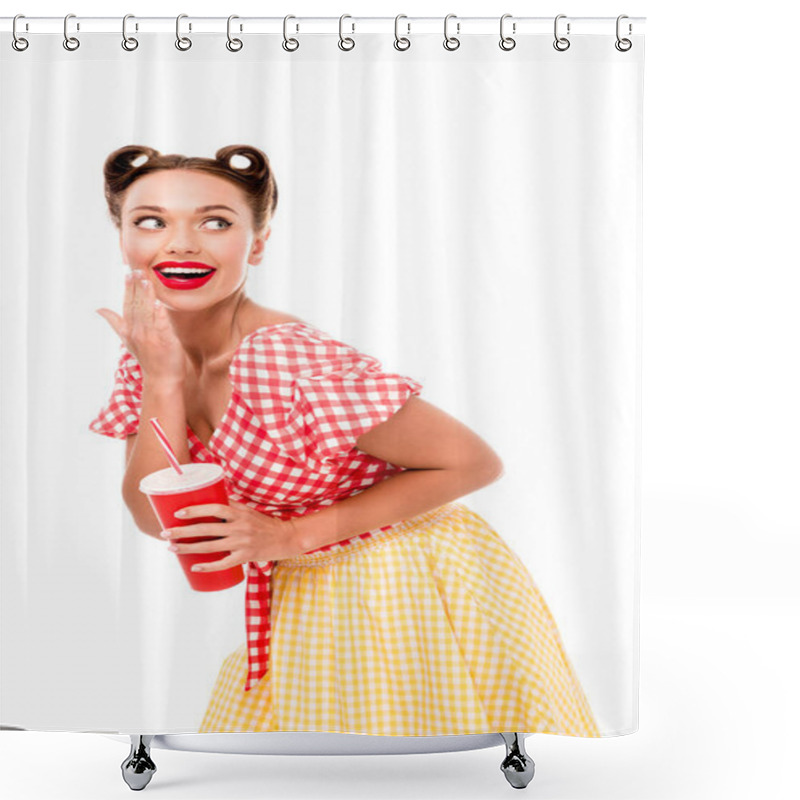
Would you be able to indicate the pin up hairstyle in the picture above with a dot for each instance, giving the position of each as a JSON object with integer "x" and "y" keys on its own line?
{"x": 255, "y": 179}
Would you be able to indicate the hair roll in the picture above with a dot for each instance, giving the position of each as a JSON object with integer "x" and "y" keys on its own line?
{"x": 255, "y": 179}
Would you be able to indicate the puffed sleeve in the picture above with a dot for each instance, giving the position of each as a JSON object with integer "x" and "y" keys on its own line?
{"x": 119, "y": 417}
{"x": 316, "y": 395}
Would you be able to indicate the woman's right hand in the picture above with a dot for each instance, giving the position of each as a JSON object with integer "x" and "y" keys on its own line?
{"x": 146, "y": 331}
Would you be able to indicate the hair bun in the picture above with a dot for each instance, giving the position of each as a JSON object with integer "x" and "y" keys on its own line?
{"x": 257, "y": 166}
{"x": 121, "y": 161}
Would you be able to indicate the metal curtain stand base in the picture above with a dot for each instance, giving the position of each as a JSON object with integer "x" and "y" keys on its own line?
{"x": 517, "y": 766}
{"x": 138, "y": 768}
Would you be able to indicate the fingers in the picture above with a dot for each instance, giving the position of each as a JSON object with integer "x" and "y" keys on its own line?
{"x": 139, "y": 307}
{"x": 214, "y": 529}
{"x": 219, "y": 510}
{"x": 162, "y": 322}
{"x": 114, "y": 320}
{"x": 210, "y": 546}
{"x": 148, "y": 302}
{"x": 127, "y": 303}
{"x": 216, "y": 566}
{"x": 137, "y": 301}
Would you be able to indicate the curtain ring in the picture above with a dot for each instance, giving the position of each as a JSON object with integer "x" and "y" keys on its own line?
{"x": 623, "y": 45}
{"x": 128, "y": 42}
{"x": 401, "y": 43}
{"x": 234, "y": 45}
{"x": 506, "y": 42}
{"x": 451, "y": 42}
{"x": 350, "y": 42}
{"x": 18, "y": 43}
{"x": 182, "y": 42}
{"x": 560, "y": 40}
{"x": 286, "y": 42}
{"x": 70, "y": 42}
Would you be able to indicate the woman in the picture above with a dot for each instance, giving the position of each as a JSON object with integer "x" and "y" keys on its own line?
{"x": 376, "y": 604}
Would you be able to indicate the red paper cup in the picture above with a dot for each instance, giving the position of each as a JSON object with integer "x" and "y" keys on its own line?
{"x": 200, "y": 483}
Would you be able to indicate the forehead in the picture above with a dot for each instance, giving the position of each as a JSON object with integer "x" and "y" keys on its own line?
{"x": 183, "y": 190}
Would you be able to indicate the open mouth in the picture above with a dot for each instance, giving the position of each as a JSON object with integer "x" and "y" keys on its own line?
{"x": 183, "y": 273}
{"x": 186, "y": 275}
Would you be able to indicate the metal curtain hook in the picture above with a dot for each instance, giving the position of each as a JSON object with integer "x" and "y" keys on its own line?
{"x": 506, "y": 42}
{"x": 560, "y": 43}
{"x": 18, "y": 42}
{"x": 451, "y": 42}
{"x": 70, "y": 42}
{"x": 128, "y": 42}
{"x": 234, "y": 45}
{"x": 346, "y": 43}
{"x": 289, "y": 45}
{"x": 623, "y": 45}
{"x": 401, "y": 43}
{"x": 182, "y": 42}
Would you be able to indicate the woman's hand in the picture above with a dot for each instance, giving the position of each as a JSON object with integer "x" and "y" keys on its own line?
{"x": 146, "y": 331}
{"x": 247, "y": 533}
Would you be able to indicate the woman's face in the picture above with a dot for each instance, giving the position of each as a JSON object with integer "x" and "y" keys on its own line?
{"x": 193, "y": 254}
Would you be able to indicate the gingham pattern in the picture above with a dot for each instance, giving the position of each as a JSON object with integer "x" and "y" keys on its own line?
{"x": 287, "y": 439}
{"x": 431, "y": 627}
{"x": 258, "y": 609}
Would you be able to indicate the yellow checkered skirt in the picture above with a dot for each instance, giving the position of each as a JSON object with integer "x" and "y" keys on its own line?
{"x": 433, "y": 627}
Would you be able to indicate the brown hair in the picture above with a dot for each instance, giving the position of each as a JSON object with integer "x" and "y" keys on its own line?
{"x": 256, "y": 179}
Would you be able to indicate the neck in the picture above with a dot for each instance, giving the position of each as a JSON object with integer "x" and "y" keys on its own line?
{"x": 211, "y": 334}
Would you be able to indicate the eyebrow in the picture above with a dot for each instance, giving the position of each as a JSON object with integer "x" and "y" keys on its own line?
{"x": 199, "y": 210}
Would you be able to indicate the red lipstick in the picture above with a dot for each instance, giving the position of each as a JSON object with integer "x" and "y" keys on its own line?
{"x": 184, "y": 274}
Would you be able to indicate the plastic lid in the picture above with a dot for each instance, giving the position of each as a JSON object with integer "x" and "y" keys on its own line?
{"x": 167, "y": 481}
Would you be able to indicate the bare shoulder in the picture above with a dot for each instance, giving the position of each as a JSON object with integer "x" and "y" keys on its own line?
{"x": 266, "y": 316}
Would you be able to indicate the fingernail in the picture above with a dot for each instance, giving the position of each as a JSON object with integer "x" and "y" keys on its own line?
{"x": 145, "y": 283}
{"x": 173, "y": 548}
{"x": 180, "y": 513}
{"x": 128, "y": 277}
{"x": 165, "y": 534}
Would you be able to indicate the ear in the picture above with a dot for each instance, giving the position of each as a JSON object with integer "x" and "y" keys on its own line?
{"x": 257, "y": 252}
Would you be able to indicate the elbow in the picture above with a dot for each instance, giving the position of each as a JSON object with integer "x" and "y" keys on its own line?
{"x": 497, "y": 469}
{"x": 488, "y": 470}
{"x": 143, "y": 517}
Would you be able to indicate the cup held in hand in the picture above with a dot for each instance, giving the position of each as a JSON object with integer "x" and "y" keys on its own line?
{"x": 200, "y": 483}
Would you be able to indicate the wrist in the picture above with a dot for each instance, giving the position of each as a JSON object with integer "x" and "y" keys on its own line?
{"x": 162, "y": 386}
{"x": 308, "y": 531}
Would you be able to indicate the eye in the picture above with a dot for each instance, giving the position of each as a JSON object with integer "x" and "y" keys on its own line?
{"x": 225, "y": 223}
{"x": 138, "y": 222}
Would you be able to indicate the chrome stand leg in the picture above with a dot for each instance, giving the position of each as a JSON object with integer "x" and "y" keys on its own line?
{"x": 138, "y": 768}
{"x": 517, "y": 766}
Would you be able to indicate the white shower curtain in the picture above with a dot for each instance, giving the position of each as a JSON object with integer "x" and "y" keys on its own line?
{"x": 469, "y": 218}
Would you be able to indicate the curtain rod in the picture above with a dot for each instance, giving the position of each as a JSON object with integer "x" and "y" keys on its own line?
{"x": 327, "y": 25}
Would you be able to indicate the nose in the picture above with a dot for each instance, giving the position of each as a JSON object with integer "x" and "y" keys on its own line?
{"x": 182, "y": 241}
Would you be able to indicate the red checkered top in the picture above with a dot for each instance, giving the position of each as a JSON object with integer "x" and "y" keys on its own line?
{"x": 287, "y": 439}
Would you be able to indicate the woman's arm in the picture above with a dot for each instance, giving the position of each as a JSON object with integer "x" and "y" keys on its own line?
{"x": 144, "y": 453}
{"x": 444, "y": 460}
{"x": 147, "y": 333}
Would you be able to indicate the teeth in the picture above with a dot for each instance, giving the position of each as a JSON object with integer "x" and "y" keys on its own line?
{"x": 172, "y": 271}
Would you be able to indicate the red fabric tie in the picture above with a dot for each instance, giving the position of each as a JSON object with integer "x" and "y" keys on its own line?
{"x": 258, "y": 605}
{"x": 257, "y": 600}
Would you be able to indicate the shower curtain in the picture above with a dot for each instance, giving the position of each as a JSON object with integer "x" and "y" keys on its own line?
{"x": 385, "y": 300}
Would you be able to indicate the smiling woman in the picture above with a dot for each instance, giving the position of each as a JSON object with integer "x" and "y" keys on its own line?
{"x": 343, "y": 486}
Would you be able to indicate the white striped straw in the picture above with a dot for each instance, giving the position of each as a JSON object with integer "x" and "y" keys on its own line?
{"x": 162, "y": 437}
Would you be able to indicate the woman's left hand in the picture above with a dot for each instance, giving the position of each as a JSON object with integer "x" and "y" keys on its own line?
{"x": 247, "y": 533}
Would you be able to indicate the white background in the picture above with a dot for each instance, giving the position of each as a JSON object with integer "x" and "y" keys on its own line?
{"x": 720, "y": 599}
